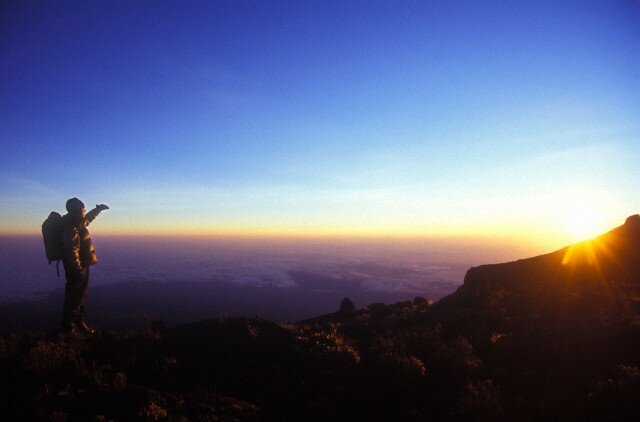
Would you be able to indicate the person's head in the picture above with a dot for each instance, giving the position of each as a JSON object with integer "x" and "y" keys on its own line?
{"x": 76, "y": 207}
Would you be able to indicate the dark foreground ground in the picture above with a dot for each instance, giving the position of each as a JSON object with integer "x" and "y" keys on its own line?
{"x": 407, "y": 361}
{"x": 544, "y": 338}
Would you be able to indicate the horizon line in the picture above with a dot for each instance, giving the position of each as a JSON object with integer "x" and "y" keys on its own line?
{"x": 537, "y": 240}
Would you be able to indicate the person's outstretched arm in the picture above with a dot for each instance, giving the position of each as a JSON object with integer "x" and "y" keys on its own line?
{"x": 91, "y": 215}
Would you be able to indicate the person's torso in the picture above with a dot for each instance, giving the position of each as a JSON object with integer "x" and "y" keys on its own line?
{"x": 87, "y": 251}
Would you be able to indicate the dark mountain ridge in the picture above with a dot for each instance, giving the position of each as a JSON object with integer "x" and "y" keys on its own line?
{"x": 550, "y": 337}
{"x": 598, "y": 277}
{"x": 560, "y": 331}
{"x": 612, "y": 258}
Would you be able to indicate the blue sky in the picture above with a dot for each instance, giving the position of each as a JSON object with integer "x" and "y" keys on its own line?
{"x": 425, "y": 118}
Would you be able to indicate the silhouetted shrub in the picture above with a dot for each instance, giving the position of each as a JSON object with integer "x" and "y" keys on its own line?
{"x": 405, "y": 366}
{"x": 403, "y": 304}
{"x": 152, "y": 412}
{"x": 480, "y": 400}
{"x": 459, "y": 357}
{"x": 618, "y": 396}
{"x": 47, "y": 356}
{"x": 347, "y": 306}
{"x": 377, "y": 309}
{"x": 120, "y": 381}
{"x": 55, "y": 416}
{"x": 158, "y": 328}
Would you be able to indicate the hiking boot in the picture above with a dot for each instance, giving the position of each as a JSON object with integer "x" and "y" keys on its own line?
{"x": 67, "y": 327}
{"x": 70, "y": 331}
{"x": 86, "y": 328}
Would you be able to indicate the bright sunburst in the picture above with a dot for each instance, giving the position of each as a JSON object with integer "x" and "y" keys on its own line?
{"x": 584, "y": 224}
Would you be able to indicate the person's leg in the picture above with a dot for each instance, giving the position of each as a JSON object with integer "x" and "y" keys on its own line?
{"x": 83, "y": 294}
{"x": 74, "y": 295}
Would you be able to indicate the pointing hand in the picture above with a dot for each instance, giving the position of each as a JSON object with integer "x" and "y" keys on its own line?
{"x": 102, "y": 207}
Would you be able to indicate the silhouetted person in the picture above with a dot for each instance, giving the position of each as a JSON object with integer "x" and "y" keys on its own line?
{"x": 79, "y": 255}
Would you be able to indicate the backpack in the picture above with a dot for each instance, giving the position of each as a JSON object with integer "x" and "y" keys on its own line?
{"x": 52, "y": 236}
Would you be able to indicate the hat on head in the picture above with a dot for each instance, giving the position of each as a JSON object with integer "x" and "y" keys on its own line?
{"x": 74, "y": 206}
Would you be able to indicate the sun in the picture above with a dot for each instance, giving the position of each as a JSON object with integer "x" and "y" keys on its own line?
{"x": 584, "y": 224}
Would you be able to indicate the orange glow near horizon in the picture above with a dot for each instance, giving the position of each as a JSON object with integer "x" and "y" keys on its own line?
{"x": 592, "y": 252}
{"x": 581, "y": 252}
{"x": 540, "y": 237}
{"x": 597, "y": 254}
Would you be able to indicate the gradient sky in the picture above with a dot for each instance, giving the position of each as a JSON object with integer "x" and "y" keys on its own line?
{"x": 507, "y": 119}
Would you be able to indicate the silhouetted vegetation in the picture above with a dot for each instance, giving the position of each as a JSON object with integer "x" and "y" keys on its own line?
{"x": 347, "y": 306}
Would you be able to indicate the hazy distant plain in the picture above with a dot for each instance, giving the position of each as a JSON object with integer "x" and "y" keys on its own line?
{"x": 179, "y": 279}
